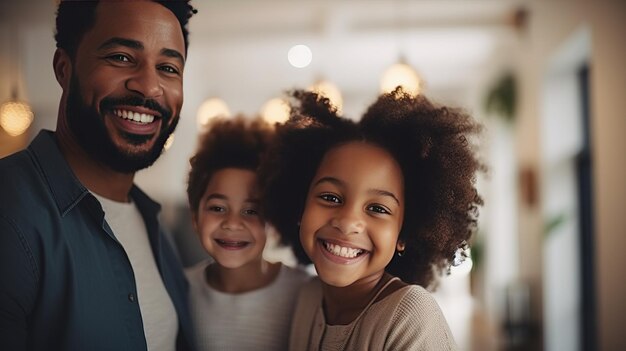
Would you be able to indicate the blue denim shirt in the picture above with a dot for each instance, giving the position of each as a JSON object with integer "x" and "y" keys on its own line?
{"x": 65, "y": 281}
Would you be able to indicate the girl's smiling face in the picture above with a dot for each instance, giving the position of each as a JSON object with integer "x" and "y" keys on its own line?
{"x": 353, "y": 214}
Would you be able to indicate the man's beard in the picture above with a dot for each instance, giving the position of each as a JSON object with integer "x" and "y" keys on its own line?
{"x": 89, "y": 129}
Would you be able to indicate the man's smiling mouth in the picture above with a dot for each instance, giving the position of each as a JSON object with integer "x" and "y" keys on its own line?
{"x": 141, "y": 118}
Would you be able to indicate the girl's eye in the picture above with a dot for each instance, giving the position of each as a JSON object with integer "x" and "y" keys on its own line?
{"x": 330, "y": 198}
{"x": 378, "y": 209}
{"x": 251, "y": 212}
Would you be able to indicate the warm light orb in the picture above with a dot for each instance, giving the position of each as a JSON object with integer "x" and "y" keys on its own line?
{"x": 168, "y": 142}
{"x": 275, "y": 111}
{"x": 15, "y": 117}
{"x": 330, "y": 91}
{"x": 300, "y": 56}
{"x": 402, "y": 75}
{"x": 210, "y": 109}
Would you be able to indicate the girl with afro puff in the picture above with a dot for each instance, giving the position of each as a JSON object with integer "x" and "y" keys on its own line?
{"x": 239, "y": 301}
{"x": 380, "y": 207}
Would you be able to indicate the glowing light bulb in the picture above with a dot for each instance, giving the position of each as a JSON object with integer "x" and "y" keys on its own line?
{"x": 168, "y": 142}
{"x": 275, "y": 110}
{"x": 329, "y": 90}
{"x": 300, "y": 56}
{"x": 211, "y": 108}
{"x": 402, "y": 75}
{"x": 15, "y": 117}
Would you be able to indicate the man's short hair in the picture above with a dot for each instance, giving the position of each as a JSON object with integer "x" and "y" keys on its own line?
{"x": 75, "y": 17}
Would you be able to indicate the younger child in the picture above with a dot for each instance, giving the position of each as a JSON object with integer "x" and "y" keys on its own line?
{"x": 376, "y": 206}
{"x": 240, "y": 301}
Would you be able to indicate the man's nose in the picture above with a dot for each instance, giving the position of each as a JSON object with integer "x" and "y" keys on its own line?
{"x": 146, "y": 82}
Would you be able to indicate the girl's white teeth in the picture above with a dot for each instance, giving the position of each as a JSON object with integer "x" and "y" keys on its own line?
{"x": 134, "y": 116}
{"x": 342, "y": 251}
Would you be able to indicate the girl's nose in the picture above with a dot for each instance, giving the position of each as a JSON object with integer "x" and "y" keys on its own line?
{"x": 348, "y": 223}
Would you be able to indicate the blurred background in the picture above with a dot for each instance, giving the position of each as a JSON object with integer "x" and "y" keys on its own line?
{"x": 546, "y": 78}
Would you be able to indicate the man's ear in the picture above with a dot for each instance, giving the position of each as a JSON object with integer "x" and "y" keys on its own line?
{"x": 62, "y": 65}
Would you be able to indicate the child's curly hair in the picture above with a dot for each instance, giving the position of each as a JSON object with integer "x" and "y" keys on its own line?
{"x": 431, "y": 146}
{"x": 228, "y": 143}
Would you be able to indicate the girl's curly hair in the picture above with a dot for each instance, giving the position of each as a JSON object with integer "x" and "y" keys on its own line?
{"x": 429, "y": 142}
{"x": 228, "y": 143}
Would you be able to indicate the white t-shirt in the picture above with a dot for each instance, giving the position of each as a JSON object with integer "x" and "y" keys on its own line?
{"x": 256, "y": 320}
{"x": 160, "y": 321}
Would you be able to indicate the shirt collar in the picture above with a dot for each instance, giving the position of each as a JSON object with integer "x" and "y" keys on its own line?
{"x": 66, "y": 189}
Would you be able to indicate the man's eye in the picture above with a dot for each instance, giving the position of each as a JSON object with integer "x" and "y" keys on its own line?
{"x": 330, "y": 198}
{"x": 169, "y": 69}
{"x": 378, "y": 209}
{"x": 119, "y": 57}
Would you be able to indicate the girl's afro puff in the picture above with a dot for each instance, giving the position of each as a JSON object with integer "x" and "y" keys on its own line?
{"x": 429, "y": 142}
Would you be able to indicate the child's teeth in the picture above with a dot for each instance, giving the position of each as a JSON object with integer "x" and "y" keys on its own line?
{"x": 341, "y": 251}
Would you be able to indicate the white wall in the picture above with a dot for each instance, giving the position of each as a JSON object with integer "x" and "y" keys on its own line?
{"x": 550, "y": 25}
{"x": 608, "y": 106}
{"x": 562, "y": 140}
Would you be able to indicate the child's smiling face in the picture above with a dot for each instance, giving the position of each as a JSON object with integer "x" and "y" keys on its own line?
{"x": 228, "y": 220}
{"x": 353, "y": 214}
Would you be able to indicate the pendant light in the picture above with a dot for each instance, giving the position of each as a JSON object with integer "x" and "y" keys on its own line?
{"x": 16, "y": 115}
{"x": 210, "y": 109}
{"x": 403, "y": 75}
{"x": 329, "y": 90}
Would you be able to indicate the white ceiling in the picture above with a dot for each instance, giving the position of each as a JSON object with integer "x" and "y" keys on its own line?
{"x": 450, "y": 43}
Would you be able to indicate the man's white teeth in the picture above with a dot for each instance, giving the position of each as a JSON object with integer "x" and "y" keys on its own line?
{"x": 342, "y": 251}
{"x": 134, "y": 116}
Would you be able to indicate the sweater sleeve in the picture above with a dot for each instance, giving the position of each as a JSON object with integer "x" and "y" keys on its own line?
{"x": 304, "y": 327}
{"x": 419, "y": 324}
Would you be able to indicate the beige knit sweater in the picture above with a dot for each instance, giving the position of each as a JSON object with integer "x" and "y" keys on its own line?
{"x": 407, "y": 319}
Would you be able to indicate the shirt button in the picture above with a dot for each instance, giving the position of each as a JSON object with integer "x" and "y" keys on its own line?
{"x": 131, "y": 297}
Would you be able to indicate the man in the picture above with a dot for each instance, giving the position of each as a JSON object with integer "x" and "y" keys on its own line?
{"x": 83, "y": 262}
